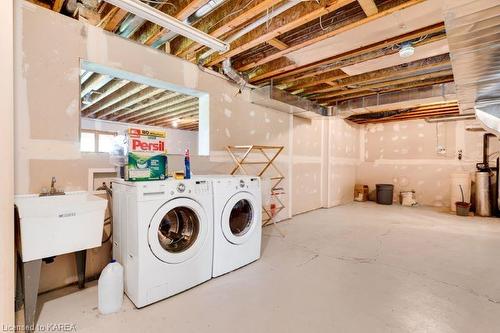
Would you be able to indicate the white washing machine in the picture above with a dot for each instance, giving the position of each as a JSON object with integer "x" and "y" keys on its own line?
{"x": 237, "y": 222}
{"x": 163, "y": 236}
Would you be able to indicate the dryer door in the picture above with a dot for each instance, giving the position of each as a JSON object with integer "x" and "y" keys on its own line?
{"x": 178, "y": 230}
{"x": 239, "y": 218}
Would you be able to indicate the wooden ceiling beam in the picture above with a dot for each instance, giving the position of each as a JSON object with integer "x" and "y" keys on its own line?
{"x": 296, "y": 73}
{"x": 126, "y": 91}
{"x": 407, "y": 116}
{"x": 105, "y": 91}
{"x": 181, "y": 15}
{"x": 383, "y": 74}
{"x": 191, "y": 127}
{"x": 168, "y": 117}
{"x": 178, "y": 109}
{"x": 402, "y": 87}
{"x": 154, "y": 101}
{"x": 416, "y": 78}
{"x": 57, "y": 5}
{"x": 158, "y": 107}
{"x": 130, "y": 101}
{"x": 301, "y": 14}
{"x": 327, "y": 34}
{"x": 95, "y": 82}
{"x": 112, "y": 19}
{"x": 277, "y": 44}
{"x": 41, "y": 4}
{"x": 369, "y": 7}
{"x": 182, "y": 46}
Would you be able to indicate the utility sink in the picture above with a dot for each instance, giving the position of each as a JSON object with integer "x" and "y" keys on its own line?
{"x": 55, "y": 225}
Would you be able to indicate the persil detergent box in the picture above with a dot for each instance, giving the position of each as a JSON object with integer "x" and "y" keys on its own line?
{"x": 146, "y": 155}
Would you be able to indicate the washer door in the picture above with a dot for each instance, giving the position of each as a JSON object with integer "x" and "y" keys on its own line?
{"x": 178, "y": 230}
{"x": 239, "y": 218}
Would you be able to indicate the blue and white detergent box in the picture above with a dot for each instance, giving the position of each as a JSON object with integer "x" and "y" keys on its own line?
{"x": 146, "y": 157}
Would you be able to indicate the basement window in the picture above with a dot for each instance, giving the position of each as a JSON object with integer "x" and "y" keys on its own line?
{"x": 96, "y": 142}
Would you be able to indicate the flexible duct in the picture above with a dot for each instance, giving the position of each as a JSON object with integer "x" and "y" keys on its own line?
{"x": 233, "y": 74}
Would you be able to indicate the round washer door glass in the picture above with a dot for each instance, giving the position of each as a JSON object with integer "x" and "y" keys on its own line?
{"x": 240, "y": 219}
{"x": 178, "y": 229}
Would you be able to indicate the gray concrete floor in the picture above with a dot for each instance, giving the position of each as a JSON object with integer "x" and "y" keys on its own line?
{"x": 355, "y": 268}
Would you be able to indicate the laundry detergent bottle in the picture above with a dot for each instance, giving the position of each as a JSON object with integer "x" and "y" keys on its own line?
{"x": 110, "y": 288}
{"x": 187, "y": 165}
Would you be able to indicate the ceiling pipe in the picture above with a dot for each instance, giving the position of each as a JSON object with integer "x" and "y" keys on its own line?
{"x": 202, "y": 11}
{"x": 450, "y": 118}
{"x": 168, "y": 22}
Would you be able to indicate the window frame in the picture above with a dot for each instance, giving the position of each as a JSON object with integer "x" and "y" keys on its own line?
{"x": 96, "y": 140}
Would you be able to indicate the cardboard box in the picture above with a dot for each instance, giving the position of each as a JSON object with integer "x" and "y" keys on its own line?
{"x": 361, "y": 192}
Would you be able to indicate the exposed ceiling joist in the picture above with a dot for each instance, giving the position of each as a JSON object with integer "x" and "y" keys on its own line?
{"x": 166, "y": 111}
{"x": 95, "y": 82}
{"x": 126, "y": 91}
{"x": 369, "y": 7}
{"x": 324, "y": 35}
{"x": 277, "y": 44}
{"x": 183, "y": 14}
{"x": 385, "y": 74}
{"x": 143, "y": 106}
{"x": 111, "y": 18}
{"x": 302, "y": 14}
{"x": 132, "y": 100}
{"x": 229, "y": 23}
{"x": 390, "y": 82}
{"x": 57, "y": 6}
{"x": 387, "y": 89}
{"x": 187, "y": 112}
{"x": 294, "y": 73}
{"x": 158, "y": 108}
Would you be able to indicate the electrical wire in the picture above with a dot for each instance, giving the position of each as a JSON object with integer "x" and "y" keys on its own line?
{"x": 231, "y": 14}
{"x": 159, "y": 2}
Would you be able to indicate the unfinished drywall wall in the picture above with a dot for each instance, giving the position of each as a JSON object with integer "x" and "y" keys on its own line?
{"x": 307, "y": 178}
{"x": 7, "y": 166}
{"x": 343, "y": 158}
{"x": 416, "y": 155}
{"x": 47, "y": 112}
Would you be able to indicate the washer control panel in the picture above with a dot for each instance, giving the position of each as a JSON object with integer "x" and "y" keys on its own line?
{"x": 202, "y": 186}
{"x": 181, "y": 188}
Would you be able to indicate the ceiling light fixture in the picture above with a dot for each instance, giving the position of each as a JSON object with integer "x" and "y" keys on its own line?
{"x": 407, "y": 50}
{"x": 175, "y": 123}
{"x": 168, "y": 22}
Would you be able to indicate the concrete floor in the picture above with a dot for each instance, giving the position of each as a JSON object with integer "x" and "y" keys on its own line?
{"x": 355, "y": 268}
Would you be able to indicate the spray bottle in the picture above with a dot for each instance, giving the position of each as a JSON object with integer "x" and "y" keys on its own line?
{"x": 187, "y": 165}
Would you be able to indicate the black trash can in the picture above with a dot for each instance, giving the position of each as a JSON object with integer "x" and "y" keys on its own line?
{"x": 385, "y": 194}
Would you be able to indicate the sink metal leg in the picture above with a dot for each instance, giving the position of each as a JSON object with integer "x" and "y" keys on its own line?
{"x": 31, "y": 280}
{"x": 81, "y": 260}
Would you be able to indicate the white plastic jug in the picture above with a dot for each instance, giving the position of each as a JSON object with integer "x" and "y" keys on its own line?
{"x": 110, "y": 288}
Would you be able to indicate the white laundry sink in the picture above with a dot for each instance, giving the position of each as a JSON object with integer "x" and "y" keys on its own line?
{"x": 54, "y": 225}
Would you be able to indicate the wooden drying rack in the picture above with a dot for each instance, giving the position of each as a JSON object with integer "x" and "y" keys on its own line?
{"x": 239, "y": 154}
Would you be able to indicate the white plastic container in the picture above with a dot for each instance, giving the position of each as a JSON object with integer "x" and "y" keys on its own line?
{"x": 110, "y": 288}
{"x": 457, "y": 179}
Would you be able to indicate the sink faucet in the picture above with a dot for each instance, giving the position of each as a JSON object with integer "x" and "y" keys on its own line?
{"x": 53, "y": 190}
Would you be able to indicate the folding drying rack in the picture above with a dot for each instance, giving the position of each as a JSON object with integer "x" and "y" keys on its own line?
{"x": 240, "y": 156}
